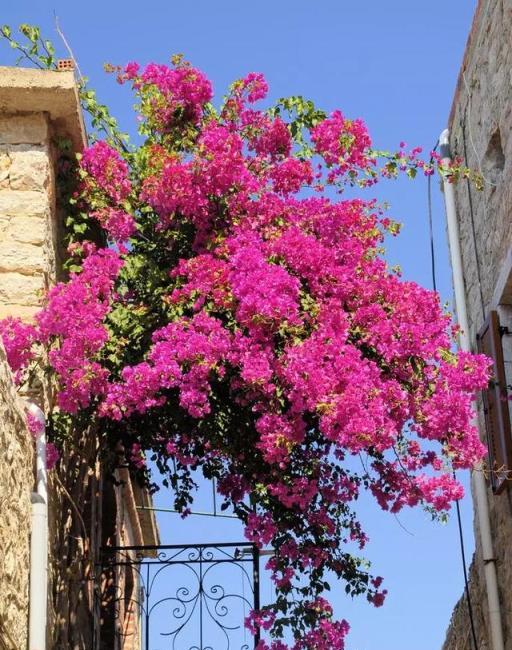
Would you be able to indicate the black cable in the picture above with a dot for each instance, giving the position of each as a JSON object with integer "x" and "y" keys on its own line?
{"x": 457, "y": 504}
{"x": 472, "y": 219}
{"x": 430, "y": 222}
{"x": 431, "y": 231}
{"x": 464, "y": 566}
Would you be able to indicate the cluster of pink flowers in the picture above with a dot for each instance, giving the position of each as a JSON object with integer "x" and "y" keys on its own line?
{"x": 342, "y": 142}
{"x": 18, "y": 338}
{"x": 119, "y": 225}
{"x": 109, "y": 171}
{"x": 273, "y": 340}
{"x": 270, "y": 137}
{"x": 74, "y": 316}
{"x": 106, "y": 186}
{"x": 174, "y": 191}
{"x": 291, "y": 175}
{"x": 36, "y": 428}
{"x": 254, "y": 85}
{"x": 328, "y": 634}
{"x": 181, "y": 92}
{"x": 185, "y": 355}
{"x": 260, "y": 620}
{"x": 260, "y": 529}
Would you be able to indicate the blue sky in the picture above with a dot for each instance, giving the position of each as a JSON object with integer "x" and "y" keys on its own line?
{"x": 393, "y": 63}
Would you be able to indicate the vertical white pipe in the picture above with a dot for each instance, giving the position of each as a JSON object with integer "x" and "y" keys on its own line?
{"x": 478, "y": 478}
{"x": 39, "y": 541}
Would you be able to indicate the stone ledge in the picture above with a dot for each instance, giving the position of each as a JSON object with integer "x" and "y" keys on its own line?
{"x": 25, "y": 90}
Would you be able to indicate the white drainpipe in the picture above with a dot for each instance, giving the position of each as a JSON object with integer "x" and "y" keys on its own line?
{"x": 478, "y": 478}
{"x": 39, "y": 541}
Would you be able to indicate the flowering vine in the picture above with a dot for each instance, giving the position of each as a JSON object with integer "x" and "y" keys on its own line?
{"x": 239, "y": 320}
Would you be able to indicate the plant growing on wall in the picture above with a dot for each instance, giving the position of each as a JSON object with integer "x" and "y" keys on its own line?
{"x": 238, "y": 317}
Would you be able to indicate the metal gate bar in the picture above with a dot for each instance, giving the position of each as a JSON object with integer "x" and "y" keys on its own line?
{"x": 138, "y": 592}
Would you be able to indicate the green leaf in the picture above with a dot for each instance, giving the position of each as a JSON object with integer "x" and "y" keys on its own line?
{"x": 80, "y": 228}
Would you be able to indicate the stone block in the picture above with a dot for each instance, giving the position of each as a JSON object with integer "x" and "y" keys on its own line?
{"x": 5, "y": 164}
{"x": 24, "y": 203}
{"x": 21, "y": 258}
{"x": 24, "y": 290}
{"x": 27, "y": 230}
{"x": 23, "y": 129}
{"x": 29, "y": 170}
{"x": 4, "y": 225}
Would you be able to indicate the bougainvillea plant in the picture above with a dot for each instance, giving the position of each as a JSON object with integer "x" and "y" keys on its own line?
{"x": 238, "y": 317}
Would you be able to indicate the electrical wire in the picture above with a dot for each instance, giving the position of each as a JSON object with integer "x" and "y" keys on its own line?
{"x": 472, "y": 220}
{"x": 464, "y": 567}
{"x": 482, "y": 22}
{"x": 431, "y": 225}
{"x": 457, "y": 504}
{"x": 471, "y": 140}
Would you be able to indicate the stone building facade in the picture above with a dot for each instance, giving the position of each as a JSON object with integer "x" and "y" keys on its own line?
{"x": 39, "y": 110}
{"x": 480, "y": 126}
{"x": 16, "y": 480}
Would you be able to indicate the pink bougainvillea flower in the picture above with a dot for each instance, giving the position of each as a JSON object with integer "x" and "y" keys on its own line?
{"x": 248, "y": 325}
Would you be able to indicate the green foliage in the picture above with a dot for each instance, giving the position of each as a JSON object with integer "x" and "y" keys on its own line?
{"x": 301, "y": 115}
{"x": 102, "y": 122}
{"x": 40, "y": 52}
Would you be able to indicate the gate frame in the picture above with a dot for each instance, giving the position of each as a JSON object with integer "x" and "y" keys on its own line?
{"x": 114, "y": 558}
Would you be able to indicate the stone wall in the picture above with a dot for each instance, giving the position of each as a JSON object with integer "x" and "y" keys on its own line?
{"x": 481, "y": 131}
{"x": 26, "y": 255}
{"x": 16, "y": 479}
{"x": 37, "y": 109}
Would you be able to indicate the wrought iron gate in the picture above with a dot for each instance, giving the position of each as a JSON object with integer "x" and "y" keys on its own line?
{"x": 187, "y": 597}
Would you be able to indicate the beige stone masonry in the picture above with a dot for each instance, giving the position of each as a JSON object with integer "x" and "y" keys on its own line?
{"x": 27, "y": 214}
{"x": 37, "y": 108}
{"x": 481, "y": 131}
{"x": 18, "y": 128}
{"x": 15, "y": 487}
{"x": 25, "y": 90}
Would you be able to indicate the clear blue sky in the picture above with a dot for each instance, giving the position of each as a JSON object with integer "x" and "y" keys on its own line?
{"x": 393, "y": 63}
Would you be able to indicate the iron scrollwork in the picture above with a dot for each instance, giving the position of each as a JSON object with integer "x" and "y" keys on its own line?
{"x": 190, "y": 597}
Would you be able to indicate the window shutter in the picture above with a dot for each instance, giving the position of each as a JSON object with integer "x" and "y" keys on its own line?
{"x": 495, "y": 399}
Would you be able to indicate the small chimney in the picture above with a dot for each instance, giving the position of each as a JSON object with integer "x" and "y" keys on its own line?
{"x": 65, "y": 65}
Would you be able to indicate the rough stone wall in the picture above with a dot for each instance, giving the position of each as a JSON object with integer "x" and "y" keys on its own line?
{"x": 16, "y": 480}
{"x": 36, "y": 109}
{"x": 27, "y": 268}
{"x": 481, "y": 132}
{"x": 27, "y": 223}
